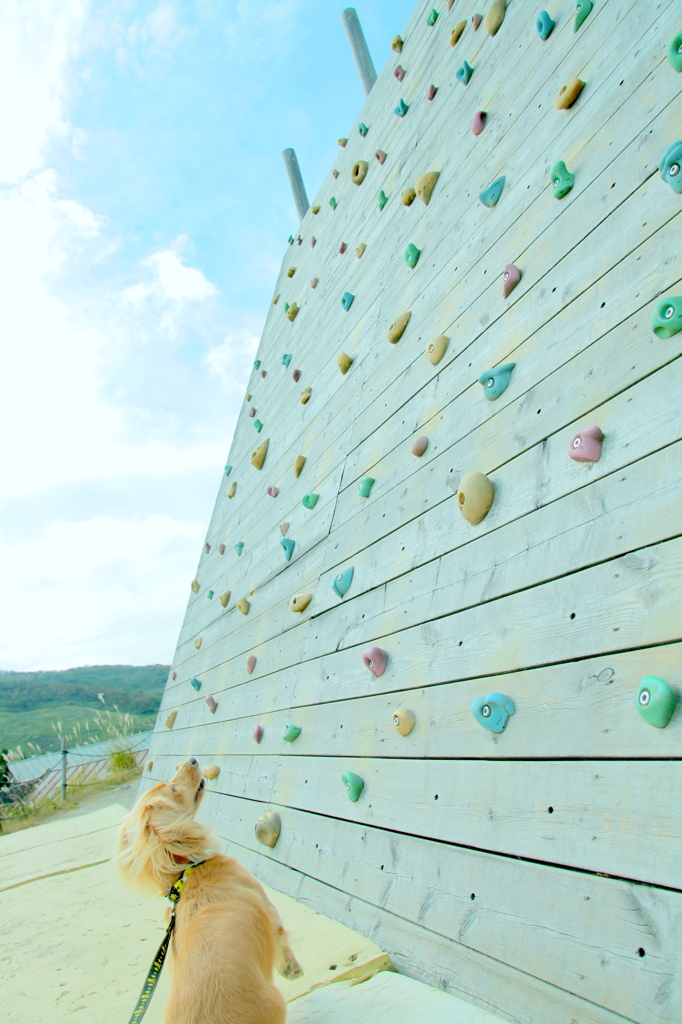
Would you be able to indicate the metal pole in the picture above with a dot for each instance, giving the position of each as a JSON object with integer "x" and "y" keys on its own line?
{"x": 358, "y": 45}
{"x": 296, "y": 182}
{"x": 64, "y": 753}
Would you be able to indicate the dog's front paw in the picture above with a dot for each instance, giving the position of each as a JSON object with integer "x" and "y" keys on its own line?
{"x": 292, "y": 969}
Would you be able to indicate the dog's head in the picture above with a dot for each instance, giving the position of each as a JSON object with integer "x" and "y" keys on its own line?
{"x": 160, "y": 835}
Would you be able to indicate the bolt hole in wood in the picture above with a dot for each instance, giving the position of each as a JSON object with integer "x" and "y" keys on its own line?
{"x": 641, "y": 952}
{"x": 550, "y": 810}
{"x": 435, "y": 796}
{"x": 473, "y": 895}
{"x": 572, "y": 615}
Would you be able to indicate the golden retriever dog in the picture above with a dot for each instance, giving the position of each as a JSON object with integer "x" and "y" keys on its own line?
{"x": 228, "y": 936}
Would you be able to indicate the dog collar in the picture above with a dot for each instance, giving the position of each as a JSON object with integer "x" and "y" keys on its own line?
{"x": 175, "y": 891}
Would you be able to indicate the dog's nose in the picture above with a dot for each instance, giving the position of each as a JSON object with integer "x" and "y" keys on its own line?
{"x": 193, "y": 761}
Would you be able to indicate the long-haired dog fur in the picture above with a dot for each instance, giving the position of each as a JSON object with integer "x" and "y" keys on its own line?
{"x": 228, "y": 936}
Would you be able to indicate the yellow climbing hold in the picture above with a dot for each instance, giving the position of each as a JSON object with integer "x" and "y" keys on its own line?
{"x": 225, "y": 597}
{"x": 475, "y": 496}
{"x": 212, "y": 771}
{"x": 305, "y": 395}
{"x": 435, "y": 350}
{"x": 170, "y": 721}
{"x": 292, "y": 312}
{"x": 344, "y": 362}
{"x": 426, "y": 184}
{"x": 291, "y": 271}
{"x": 194, "y": 585}
{"x": 397, "y": 328}
{"x": 299, "y": 602}
{"x": 243, "y": 605}
{"x": 258, "y": 457}
{"x": 197, "y": 642}
{"x": 408, "y": 196}
{"x": 276, "y": 299}
{"x": 397, "y": 44}
{"x": 358, "y": 172}
{"x": 404, "y": 721}
{"x": 360, "y": 249}
{"x": 495, "y": 16}
{"x": 457, "y": 31}
{"x": 232, "y": 489}
{"x": 568, "y": 94}
{"x": 299, "y": 463}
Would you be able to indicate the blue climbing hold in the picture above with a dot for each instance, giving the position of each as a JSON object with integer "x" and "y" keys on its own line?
{"x": 464, "y": 73}
{"x": 342, "y": 582}
{"x": 228, "y": 469}
{"x": 286, "y": 359}
{"x": 195, "y": 683}
{"x": 347, "y": 300}
{"x": 671, "y": 165}
{"x": 256, "y": 364}
{"x": 493, "y": 712}
{"x": 288, "y": 546}
{"x": 545, "y": 24}
{"x": 239, "y": 547}
{"x": 362, "y": 128}
{"x": 495, "y": 382}
{"x": 490, "y": 196}
{"x": 402, "y": 108}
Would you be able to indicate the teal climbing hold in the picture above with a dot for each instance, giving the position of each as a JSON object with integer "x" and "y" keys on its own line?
{"x": 228, "y": 469}
{"x": 310, "y": 500}
{"x": 495, "y": 382}
{"x": 666, "y": 317}
{"x": 545, "y": 25}
{"x": 342, "y": 582}
{"x": 675, "y": 52}
{"x": 258, "y": 425}
{"x": 412, "y": 255}
{"x": 256, "y": 364}
{"x": 562, "y": 179}
{"x": 433, "y": 17}
{"x": 464, "y": 73}
{"x": 333, "y": 203}
{"x": 582, "y": 9}
{"x": 670, "y": 166}
{"x": 365, "y": 486}
{"x": 239, "y": 547}
{"x": 209, "y": 595}
{"x": 656, "y": 701}
{"x": 493, "y": 712}
{"x": 490, "y": 196}
{"x": 286, "y": 359}
{"x": 195, "y": 683}
{"x": 363, "y": 129}
{"x": 354, "y": 785}
{"x": 347, "y": 300}
{"x": 402, "y": 108}
{"x": 286, "y": 306}
{"x": 291, "y": 732}
{"x": 288, "y": 546}
{"x": 290, "y": 239}
{"x": 383, "y": 199}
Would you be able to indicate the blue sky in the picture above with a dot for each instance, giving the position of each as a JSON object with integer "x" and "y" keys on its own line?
{"x": 144, "y": 211}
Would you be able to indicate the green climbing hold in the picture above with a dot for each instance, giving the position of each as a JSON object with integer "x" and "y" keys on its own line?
{"x": 286, "y": 307}
{"x": 291, "y": 732}
{"x": 195, "y": 683}
{"x": 286, "y": 359}
{"x": 354, "y": 785}
{"x": 342, "y": 582}
{"x": 333, "y": 203}
{"x": 290, "y": 239}
{"x": 675, "y": 52}
{"x": 464, "y": 73}
{"x": 412, "y": 255}
{"x": 433, "y": 17}
{"x": 666, "y": 317}
{"x": 347, "y": 300}
{"x": 209, "y": 595}
{"x": 582, "y": 10}
{"x": 310, "y": 500}
{"x": 490, "y": 196}
{"x": 562, "y": 179}
{"x": 365, "y": 486}
{"x": 402, "y": 108}
{"x": 239, "y": 547}
{"x": 670, "y": 166}
{"x": 363, "y": 129}
{"x": 288, "y": 546}
{"x": 256, "y": 364}
{"x": 258, "y": 425}
{"x": 656, "y": 701}
{"x": 228, "y": 469}
{"x": 383, "y": 199}
{"x": 495, "y": 382}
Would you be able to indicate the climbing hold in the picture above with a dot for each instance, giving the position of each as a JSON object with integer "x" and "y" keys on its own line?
{"x": 347, "y": 300}
{"x": 585, "y": 446}
{"x": 495, "y": 382}
{"x": 212, "y": 703}
{"x": 431, "y": 92}
{"x": 359, "y": 249}
{"x": 290, "y": 239}
{"x": 383, "y": 199}
{"x": 675, "y": 52}
{"x": 399, "y": 73}
{"x": 250, "y": 663}
{"x": 402, "y": 108}
{"x": 333, "y": 203}
{"x": 195, "y": 683}
{"x": 268, "y": 828}
{"x": 374, "y": 658}
{"x": 170, "y": 721}
{"x": 582, "y": 9}
{"x": 478, "y": 123}
{"x": 256, "y": 364}
{"x": 358, "y": 172}
{"x": 291, "y": 271}
{"x": 562, "y": 179}
{"x": 397, "y": 44}
{"x": 197, "y": 642}
{"x": 495, "y": 16}
{"x": 221, "y": 549}
{"x": 365, "y": 486}
{"x": 342, "y": 142}
{"x": 335, "y": 173}
{"x": 313, "y": 241}
{"x": 275, "y": 299}
{"x": 342, "y": 248}
{"x": 435, "y": 350}
{"x": 258, "y": 425}
{"x": 148, "y": 766}
{"x": 257, "y": 733}
{"x": 174, "y": 674}
{"x": 342, "y": 582}
{"x": 544, "y": 25}
{"x": 286, "y": 359}
{"x": 397, "y": 328}
{"x": 670, "y": 165}
{"x": 568, "y": 94}
{"x": 433, "y": 17}
{"x": 310, "y": 500}
{"x": 292, "y": 312}
{"x": 252, "y": 411}
{"x": 296, "y": 375}
{"x": 425, "y": 185}
{"x": 656, "y": 701}
{"x": 404, "y": 721}
{"x": 490, "y": 196}
{"x": 476, "y": 20}
{"x": 363, "y": 129}
{"x": 464, "y": 73}
{"x": 314, "y": 282}
{"x": 207, "y": 547}
{"x": 209, "y": 595}
{"x": 228, "y": 467}
{"x": 212, "y": 771}
{"x": 412, "y": 255}
{"x": 344, "y": 362}
{"x": 511, "y": 276}
{"x": 284, "y": 529}
{"x": 288, "y": 546}
{"x": 456, "y": 32}
{"x": 475, "y": 496}
{"x": 419, "y": 445}
{"x": 286, "y": 306}
{"x": 243, "y": 605}
{"x": 354, "y": 785}
{"x": 225, "y": 597}
{"x": 666, "y": 317}
{"x": 305, "y": 395}
{"x": 380, "y": 156}
{"x": 239, "y": 547}
{"x": 273, "y": 491}
{"x": 408, "y": 196}
{"x": 299, "y": 463}
{"x": 315, "y": 210}
{"x": 258, "y": 457}
{"x": 194, "y": 586}
{"x": 299, "y": 602}
{"x": 291, "y": 732}
{"x": 493, "y": 712}
{"x": 232, "y": 489}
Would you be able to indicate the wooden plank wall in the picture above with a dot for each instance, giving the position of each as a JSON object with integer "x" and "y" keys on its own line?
{"x": 536, "y": 872}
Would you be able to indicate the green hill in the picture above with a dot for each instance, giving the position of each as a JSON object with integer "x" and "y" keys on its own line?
{"x": 32, "y": 702}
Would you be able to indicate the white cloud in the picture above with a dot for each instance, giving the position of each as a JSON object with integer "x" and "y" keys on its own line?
{"x": 171, "y": 279}
{"x": 159, "y": 27}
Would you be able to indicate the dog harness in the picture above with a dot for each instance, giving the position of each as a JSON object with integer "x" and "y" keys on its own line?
{"x": 173, "y": 894}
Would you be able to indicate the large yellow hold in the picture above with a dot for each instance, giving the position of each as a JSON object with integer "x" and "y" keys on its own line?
{"x": 495, "y": 16}
{"x": 258, "y": 457}
{"x": 475, "y": 496}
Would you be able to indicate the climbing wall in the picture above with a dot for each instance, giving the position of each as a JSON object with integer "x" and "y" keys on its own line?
{"x": 442, "y": 562}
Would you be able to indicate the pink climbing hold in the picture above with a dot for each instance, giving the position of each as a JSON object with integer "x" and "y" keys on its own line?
{"x": 420, "y": 445}
{"x": 313, "y": 242}
{"x": 296, "y": 375}
{"x": 450, "y": 3}
{"x": 221, "y": 549}
{"x": 586, "y": 445}
{"x": 273, "y": 491}
{"x": 431, "y": 92}
{"x": 264, "y": 373}
{"x": 335, "y": 173}
{"x": 399, "y": 73}
{"x": 252, "y": 412}
{"x": 478, "y": 123}
{"x": 342, "y": 248}
{"x": 250, "y": 663}
{"x": 380, "y": 156}
{"x": 375, "y": 660}
{"x": 313, "y": 283}
{"x": 207, "y": 547}
{"x": 284, "y": 529}
{"x": 476, "y": 20}
{"x": 174, "y": 674}
{"x": 258, "y": 733}
{"x": 212, "y": 704}
{"x": 510, "y": 279}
